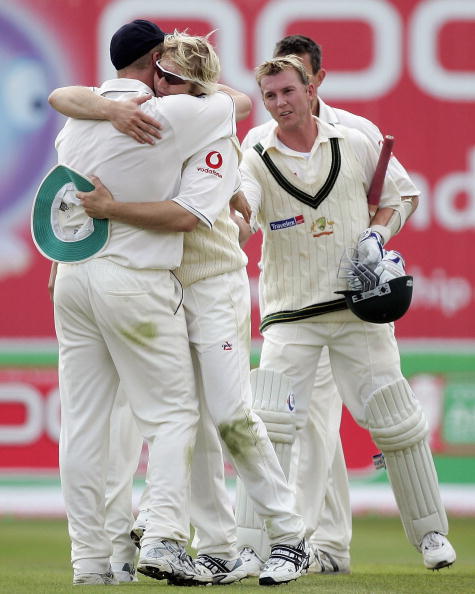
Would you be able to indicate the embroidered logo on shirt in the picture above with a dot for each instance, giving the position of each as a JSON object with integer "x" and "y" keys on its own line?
{"x": 213, "y": 160}
{"x": 291, "y": 401}
{"x": 277, "y": 225}
{"x": 227, "y": 346}
{"x": 322, "y": 227}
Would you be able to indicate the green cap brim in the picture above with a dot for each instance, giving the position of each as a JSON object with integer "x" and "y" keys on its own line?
{"x": 44, "y": 237}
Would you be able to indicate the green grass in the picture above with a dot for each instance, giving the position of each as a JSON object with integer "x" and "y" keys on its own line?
{"x": 34, "y": 558}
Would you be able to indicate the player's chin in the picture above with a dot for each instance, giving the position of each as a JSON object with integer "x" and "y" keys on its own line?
{"x": 286, "y": 118}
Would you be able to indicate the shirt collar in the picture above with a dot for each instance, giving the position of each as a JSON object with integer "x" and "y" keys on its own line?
{"x": 124, "y": 84}
{"x": 325, "y": 132}
{"x": 327, "y": 113}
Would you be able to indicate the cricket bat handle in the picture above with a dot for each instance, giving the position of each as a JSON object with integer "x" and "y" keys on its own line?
{"x": 376, "y": 187}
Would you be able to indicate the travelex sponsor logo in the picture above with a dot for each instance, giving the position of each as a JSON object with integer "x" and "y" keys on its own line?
{"x": 291, "y": 401}
{"x": 277, "y": 225}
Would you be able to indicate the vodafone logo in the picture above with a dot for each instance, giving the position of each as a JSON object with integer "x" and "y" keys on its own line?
{"x": 214, "y": 160}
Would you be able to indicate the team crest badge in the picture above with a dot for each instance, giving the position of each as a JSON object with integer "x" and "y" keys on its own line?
{"x": 322, "y": 226}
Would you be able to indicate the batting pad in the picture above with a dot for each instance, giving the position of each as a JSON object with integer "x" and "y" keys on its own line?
{"x": 273, "y": 402}
{"x": 399, "y": 428}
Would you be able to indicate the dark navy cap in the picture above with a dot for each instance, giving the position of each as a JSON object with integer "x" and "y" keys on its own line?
{"x": 134, "y": 40}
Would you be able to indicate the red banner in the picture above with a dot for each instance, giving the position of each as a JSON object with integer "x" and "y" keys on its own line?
{"x": 408, "y": 65}
{"x": 30, "y": 420}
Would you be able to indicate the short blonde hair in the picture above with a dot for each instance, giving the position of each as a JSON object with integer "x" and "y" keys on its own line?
{"x": 279, "y": 64}
{"x": 195, "y": 58}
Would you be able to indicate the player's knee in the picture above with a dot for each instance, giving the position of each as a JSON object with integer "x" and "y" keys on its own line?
{"x": 240, "y": 435}
{"x": 395, "y": 418}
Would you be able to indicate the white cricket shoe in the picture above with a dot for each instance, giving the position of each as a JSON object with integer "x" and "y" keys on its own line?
{"x": 124, "y": 572}
{"x": 286, "y": 563}
{"x": 95, "y": 579}
{"x": 251, "y": 562}
{"x": 437, "y": 551}
{"x": 219, "y": 571}
{"x": 329, "y": 563}
{"x": 165, "y": 559}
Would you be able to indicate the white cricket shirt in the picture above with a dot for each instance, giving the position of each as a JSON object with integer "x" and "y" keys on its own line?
{"x": 146, "y": 173}
{"x": 307, "y": 228}
{"x": 211, "y": 176}
{"x": 340, "y": 116}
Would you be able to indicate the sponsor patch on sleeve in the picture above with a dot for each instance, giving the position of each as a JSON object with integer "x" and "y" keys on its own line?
{"x": 285, "y": 223}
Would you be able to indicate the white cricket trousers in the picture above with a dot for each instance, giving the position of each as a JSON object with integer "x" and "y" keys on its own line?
{"x": 212, "y": 514}
{"x": 125, "y": 447}
{"x": 117, "y": 324}
{"x": 217, "y": 313}
{"x": 363, "y": 358}
{"x": 218, "y": 318}
{"x": 327, "y": 510}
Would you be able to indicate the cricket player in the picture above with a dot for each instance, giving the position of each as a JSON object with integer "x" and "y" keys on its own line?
{"x": 307, "y": 170}
{"x": 324, "y": 504}
{"x": 217, "y": 306}
{"x": 118, "y": 315}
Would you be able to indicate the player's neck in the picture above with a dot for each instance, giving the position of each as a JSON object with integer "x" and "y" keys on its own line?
{"x": 316, "y": 107}
{"x": 301, "y": 138}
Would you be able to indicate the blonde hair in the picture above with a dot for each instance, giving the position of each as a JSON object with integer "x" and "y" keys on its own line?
{"x": 195, "y": 58}
{"x": 279, "y": 64}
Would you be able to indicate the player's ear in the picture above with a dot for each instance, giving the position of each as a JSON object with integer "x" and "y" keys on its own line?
{"x": 311, "y": 91}
{"x": 320, "y": 76}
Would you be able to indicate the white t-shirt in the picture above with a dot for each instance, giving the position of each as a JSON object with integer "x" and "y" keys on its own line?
{"x": 339, "y": 116}
{"x": 147, "y": 173}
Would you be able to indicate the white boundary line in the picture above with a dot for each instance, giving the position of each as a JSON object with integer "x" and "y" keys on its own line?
{"x": 48, "y": 501}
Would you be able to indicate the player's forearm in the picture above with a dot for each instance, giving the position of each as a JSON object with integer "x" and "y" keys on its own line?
{"x": 153, "y": 216}
{"x": 389, "y": 221}
{"x": 80, "y": 103}
{"x": 243, "y": 102}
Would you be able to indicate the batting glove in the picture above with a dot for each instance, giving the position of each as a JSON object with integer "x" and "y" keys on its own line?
{"x": 391, "y": 266}
{"x": 370, "y": 248}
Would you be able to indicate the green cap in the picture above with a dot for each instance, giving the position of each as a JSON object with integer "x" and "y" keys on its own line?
{"x": 60, "y": 227}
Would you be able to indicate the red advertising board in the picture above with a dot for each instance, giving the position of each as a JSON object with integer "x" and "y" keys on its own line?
{"x": 30, "y": 420}
{"x": 407, "y": 65}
